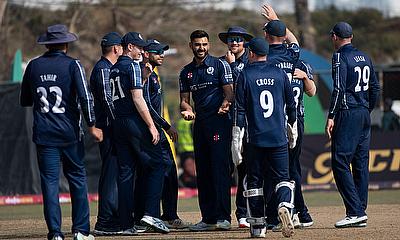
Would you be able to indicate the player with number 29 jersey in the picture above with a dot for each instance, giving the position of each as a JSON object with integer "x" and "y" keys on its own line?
{"x": 50, "y": 88}
{"x": 352, "y": 74}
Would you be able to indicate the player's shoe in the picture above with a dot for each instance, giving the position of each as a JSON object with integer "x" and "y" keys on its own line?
{"x": 296, "y": 221}
{"x": 305, "y": 221}
{"x": 243, "y": 223}
{"x": 142, "y": 228}
{"x": 155, "y": 223}
{"x": 129, "y": 232}
{"x": 57, "y": 237}
{"x": 223, "y": 225}
{"x": 277, "y": 228}
{"x": 202, "y": 226}
{"x": 106, "y": 232}
{"x": 351, "y": 221}
{"x": 287, "y": 222}
{"x": 80, "y": 236}
{"x": 258, "y": 231}
{"x": 176, "y": 224}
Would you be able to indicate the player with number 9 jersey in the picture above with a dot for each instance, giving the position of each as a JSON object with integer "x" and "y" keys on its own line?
{"x": 263, "y": 91}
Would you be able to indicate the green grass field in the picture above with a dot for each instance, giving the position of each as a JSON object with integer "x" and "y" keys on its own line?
{"x": 313, "y": 199}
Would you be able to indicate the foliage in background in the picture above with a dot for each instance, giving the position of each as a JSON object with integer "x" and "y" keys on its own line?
{"x": 171, "y": 23}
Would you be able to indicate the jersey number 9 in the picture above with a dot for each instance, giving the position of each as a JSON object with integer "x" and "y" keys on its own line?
{"x": 267, "y": 103}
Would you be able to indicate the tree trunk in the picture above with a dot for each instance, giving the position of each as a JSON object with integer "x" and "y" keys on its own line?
{"x": 307, "y": 31}
{"x": 3, "y": 5}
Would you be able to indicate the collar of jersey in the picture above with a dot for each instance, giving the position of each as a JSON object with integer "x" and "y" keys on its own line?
{"x": 57, "y": 52}
{"x": 347, "y": 46}
{"x": 106, "y": 60}
{"x": 125, "y": 58}
{"x": 206, "y": 62}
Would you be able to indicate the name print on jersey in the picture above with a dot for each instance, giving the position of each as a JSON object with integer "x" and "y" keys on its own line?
{"x": 284, "y": 65}
{"x": 359, "y": 58}
{"x": 48, "y": 77}
{"x": 265, "y": 81}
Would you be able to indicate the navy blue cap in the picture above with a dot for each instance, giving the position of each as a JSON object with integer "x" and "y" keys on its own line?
{"x": 258, "y": 46}
{"x": 235, "y": 31}
{"x": 57, "y": 34}
{"x": 154, "y": 45}
{"x": 133, "y": 38}
{"x": 342, "y": 30}
{"x": 275, "y": 28}
{"x": 110, "y": 39}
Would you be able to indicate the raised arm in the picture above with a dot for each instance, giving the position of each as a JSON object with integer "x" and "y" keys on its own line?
{"x": 269, "y": 13}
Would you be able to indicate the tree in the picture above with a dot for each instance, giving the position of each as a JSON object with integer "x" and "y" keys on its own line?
{"x": 303, "y": 18}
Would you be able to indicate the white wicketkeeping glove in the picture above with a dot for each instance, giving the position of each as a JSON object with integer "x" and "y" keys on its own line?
{"x": 292, "y": 134}
{"x": 237, "y": 144}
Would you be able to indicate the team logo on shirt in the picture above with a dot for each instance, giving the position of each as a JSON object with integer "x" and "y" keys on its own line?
{"x": 189, "y": 75}
{"x": 154, "y": 79}
{"x": 210, "y": 70}
{"x": 216, "y": 137}
{"x": 240, "y": 67}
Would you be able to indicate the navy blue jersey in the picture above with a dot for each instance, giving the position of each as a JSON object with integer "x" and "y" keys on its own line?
{"x": 354, "y": 81}
{"x": 125, "y": 75}
{"x": 101, "y": 90}
{"x": 153, "y": 96}
{"x": 284, "y": 57}
{"x": 56, "y": 86}
{"x": 238, "y": 65}
{"x": 205, "y": 82}
{"x": 298, "y": 86}
{"x": 263, "y": 91}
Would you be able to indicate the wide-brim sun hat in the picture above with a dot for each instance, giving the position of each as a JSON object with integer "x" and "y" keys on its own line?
{"x": 57, "y": 34}
{"x": 235, "y": 31}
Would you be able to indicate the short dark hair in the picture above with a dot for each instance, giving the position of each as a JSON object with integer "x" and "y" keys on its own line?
{"x": 198, "y": 34}
{"x": 106, "y": 49}
{"x": 57, "y": 46}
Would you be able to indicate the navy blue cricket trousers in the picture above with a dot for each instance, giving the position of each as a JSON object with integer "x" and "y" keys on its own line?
{"x": 267, "y": 164}
{"x": 350, "y": 146}
{"x": 133, "y": 143}
{"x": 107, "y": 216}
{"x": 169, "y": 199}
{"x": 49, "y": 160}
{"x": 241, "y": 206}
{"x": 295, "y": 170}
{"x": 212, "y": 140}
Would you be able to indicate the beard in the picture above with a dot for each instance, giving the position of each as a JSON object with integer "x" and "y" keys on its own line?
{"x": 200, "y": 54}
{"x": 156, "y": 63}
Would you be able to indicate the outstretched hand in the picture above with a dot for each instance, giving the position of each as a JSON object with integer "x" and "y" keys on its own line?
{"x": 269, "y": 13}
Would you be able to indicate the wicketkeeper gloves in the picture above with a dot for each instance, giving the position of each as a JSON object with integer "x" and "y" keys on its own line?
{"x": 292, "y": 134}
{"x": 237, "y": 144}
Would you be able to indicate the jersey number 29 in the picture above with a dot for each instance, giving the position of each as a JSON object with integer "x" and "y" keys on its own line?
{"x": 364, "y": 75}
{"x": 267, "y": 103}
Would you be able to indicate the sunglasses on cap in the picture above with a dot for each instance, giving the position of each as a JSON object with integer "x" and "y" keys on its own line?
{"x": 158, "y": 52}
{"x": 234, "y": 39}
